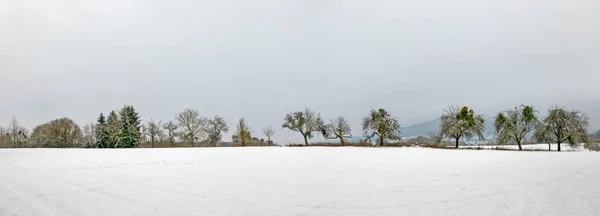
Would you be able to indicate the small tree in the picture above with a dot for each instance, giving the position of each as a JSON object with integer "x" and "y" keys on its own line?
{"x": 242, "y": 135}
{"x": 153, "y": 129}
{"x": 381, "y": 124}
{"x": 192, "y": 124}
{"x": 542, "y": 134}
{"x": 215, "y": 130}
{"x": 269, "y": 132}
{"x": 458, "y": 123}
{"x": 563, "y": 126}
{"x": 171, "y": 129}
{"x": 435, "y": 137}
{"x": 338, "y": 129}
{"x": 307, "y": 123}
{"x": 513, "y": 125}
{"x": 18, "y": 135}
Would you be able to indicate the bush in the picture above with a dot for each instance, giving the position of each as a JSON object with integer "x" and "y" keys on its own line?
{"x": 592, "y": 146}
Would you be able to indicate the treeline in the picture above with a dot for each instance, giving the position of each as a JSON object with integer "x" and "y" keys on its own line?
{"x": 123, "y": 129}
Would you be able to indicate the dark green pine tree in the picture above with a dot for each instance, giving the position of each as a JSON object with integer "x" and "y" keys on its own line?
{"x": 130, "y": 127}
{"x": 113, "y": 128}
{"x": 101, "y": 133}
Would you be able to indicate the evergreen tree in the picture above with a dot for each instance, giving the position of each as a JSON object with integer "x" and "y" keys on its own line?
{"x": 114, "y": 130}
{"x": 101, "y": 133}
{"x": 130, "y": 127}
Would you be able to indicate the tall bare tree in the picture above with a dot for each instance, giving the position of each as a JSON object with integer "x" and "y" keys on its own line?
{"x": 514, "y": 125}
{"x": 243, "y": 134}
{"x": 215, "y": 130}
{"x": 171, "y": 129}
{"x": 380, "y": 123}
{"x": 192, "y": 124}
{"x": 563, "y": 126}
{"x": 338, "y": 129}
{"x": 153, "y": 129}
{"x": 269, "y": 132}
{"x": 307, "y": 123}
{"x": 17, "y": 133}
{"x": 457, "y": 123}
{"x": 88, "y": 139}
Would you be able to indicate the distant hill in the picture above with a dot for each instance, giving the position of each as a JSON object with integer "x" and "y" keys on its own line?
{"x": 423, "y": 129}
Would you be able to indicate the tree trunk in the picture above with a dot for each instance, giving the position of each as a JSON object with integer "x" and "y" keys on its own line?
{"x": 549, "y": 147}
{"x": 342, "y": 141}
{"x": 520, "y": 148}
{"x": 305, "y": 140}
{"x": 380, "y": 141}
{"x": 558, "y": 146}
{"x": 457, "y": 139}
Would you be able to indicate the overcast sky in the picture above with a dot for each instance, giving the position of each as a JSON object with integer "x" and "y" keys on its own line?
{"x": 261, "y": 59}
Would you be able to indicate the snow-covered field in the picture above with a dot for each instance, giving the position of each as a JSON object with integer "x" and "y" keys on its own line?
{"x": 297, "y": 181}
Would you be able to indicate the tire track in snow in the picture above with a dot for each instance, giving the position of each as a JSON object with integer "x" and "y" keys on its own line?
{"x": 28, "y": 195}
{"x": 99, "y": 196}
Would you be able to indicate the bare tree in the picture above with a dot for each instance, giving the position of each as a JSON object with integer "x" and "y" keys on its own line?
{"x": 215, "y": 130}
{"x": 435, "y": 137}
{"x": 563, "y": 126}
{"x": 337, "y": 129}
{"x": 5, "y": 139}
{"x": 380, "y": 123}
{"x": 17, "y": 133}
{"x": 514, "y": 124}
{"x": 192, "y": 124}
{"x": 457, "y": 123}
{"x": 307, "y": 123}
{"x": 171, "y": 129}
{"x": 59, "y": 133}
{"x": 543, "y": 133}
{"x": 269, "y": 132}
{"x": 243, "y": 133}
{"x": 89, "y": 136}
{"x": 153, "y": 129}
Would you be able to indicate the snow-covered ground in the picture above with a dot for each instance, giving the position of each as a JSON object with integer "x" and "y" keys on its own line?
{"x": 297, "y": 181}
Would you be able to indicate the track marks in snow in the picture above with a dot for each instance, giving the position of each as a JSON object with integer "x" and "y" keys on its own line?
{"x": 285, "y": 181}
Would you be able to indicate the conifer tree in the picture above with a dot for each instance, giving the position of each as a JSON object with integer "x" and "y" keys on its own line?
{"x": 114, "y": 130}
{"x": 130, "y": 127}
{"x": 101, "y": 133}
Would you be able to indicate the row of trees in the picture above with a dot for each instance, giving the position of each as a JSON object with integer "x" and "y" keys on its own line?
{"x": 456, "y": 123}
{"x": 123, "y": 129}
{"x": 379, "y": 123}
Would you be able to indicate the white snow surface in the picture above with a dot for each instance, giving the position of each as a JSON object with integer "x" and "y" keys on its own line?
{"x": 297, "y": 181}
